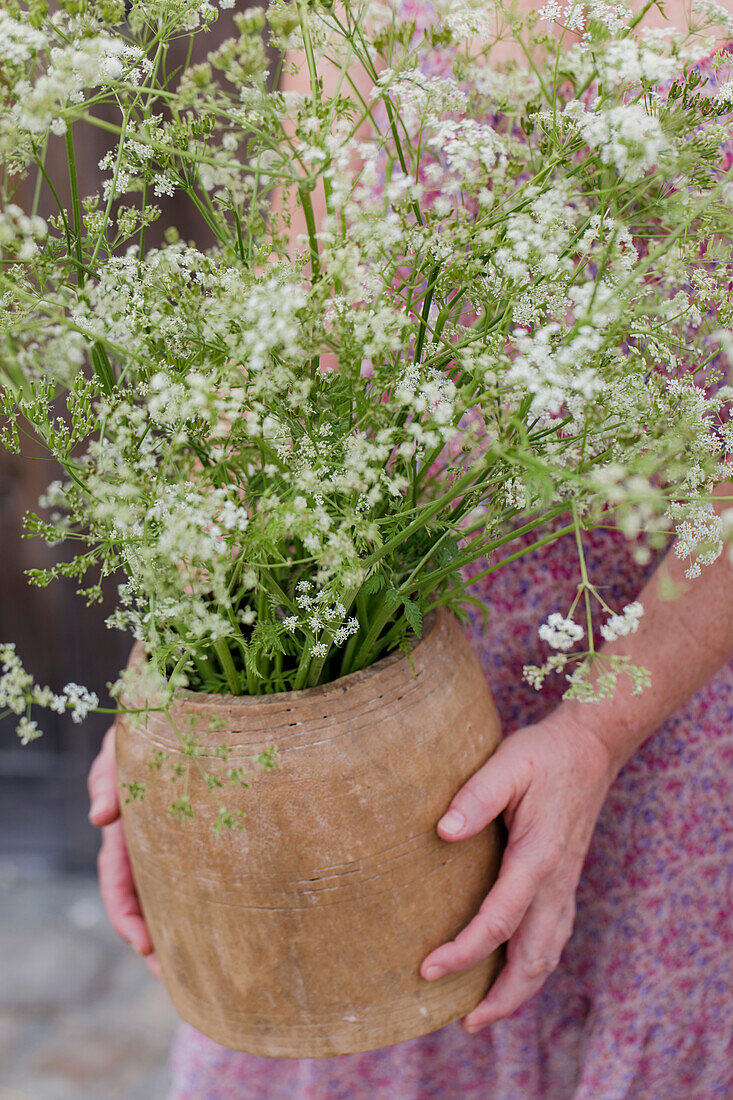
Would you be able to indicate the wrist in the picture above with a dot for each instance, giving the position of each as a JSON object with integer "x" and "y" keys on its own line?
{"x": 613, "y": 730}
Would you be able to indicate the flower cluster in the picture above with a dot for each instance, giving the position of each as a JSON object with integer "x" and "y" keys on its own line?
{"x": 560, "y": 633}
{"x": 618, "y": 626}
{"x": 512, "y": 302}
{"x": 19, "y": 692}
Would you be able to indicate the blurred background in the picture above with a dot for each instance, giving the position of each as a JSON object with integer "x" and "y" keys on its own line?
{"x": 80, "y": 1016}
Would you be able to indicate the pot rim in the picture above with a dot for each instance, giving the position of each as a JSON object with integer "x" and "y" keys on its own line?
{"x": 186, "y": 697}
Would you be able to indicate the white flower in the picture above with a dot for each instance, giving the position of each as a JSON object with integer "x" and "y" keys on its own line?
{"x": 560, "y": 633}
{"x": 551, "y": 11}
{"x": 626, "y": 135}
{"x": 27, "y": 730}
{"x": 163, "y": 185}
{"x": 346, "y": 630}
{"x": 320, "y": 649}
{"x": 80, "y": 700}
{"x": 626, "y": 623}
{"x": 725, "y": 93}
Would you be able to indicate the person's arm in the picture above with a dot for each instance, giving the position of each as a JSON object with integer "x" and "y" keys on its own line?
{"x": 685, "y": 635}
{"x": 550, "y": 780}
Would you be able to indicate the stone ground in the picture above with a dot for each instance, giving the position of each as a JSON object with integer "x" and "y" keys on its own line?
{"x": 80, "y": 1016}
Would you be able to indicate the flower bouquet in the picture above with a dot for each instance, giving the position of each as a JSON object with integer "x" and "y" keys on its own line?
{"x": 457, "y": 307}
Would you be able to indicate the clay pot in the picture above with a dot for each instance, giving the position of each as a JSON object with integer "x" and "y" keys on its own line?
{"x": 301, "y": 936}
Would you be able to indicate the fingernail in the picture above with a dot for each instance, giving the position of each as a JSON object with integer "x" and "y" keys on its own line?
{"x": 434, "y": 972}
{"x": 453, "y": 822}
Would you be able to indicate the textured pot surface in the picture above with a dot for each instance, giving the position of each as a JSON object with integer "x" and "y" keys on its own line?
{"x": 301, "y": 935}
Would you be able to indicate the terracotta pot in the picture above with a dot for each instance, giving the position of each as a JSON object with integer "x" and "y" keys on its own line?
{"x": 301, "y": 936}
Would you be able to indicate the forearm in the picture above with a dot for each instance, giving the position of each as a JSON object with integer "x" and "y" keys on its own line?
{"x": 684, "y": 637}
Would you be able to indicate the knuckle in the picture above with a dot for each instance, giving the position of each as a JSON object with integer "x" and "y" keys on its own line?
{"x": 539, "y": 966}
{"x": 499, "y": 927}
{"x": 471, "y": 799}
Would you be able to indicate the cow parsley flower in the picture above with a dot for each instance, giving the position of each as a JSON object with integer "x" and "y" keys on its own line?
{"x": 559, "y": 632}
{"x": 278, "y": 438}
{"x": 80, "y": 700}
{"x": 618, "y": 626}
{"x": 27, "y": 730}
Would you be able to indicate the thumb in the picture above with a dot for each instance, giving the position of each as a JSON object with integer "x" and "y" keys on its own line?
{"x": 481, "y": 799}
{"x": 102, "y": 783}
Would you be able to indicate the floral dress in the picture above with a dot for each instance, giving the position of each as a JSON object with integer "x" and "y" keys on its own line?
{"x": 641, "y": 1005}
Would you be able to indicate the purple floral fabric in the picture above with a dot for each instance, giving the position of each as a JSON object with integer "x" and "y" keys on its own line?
{"x": 641, "y": 1005}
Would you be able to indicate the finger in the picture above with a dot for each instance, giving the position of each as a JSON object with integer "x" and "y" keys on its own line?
{"x": 501, "y": 913}
{"x": 486, "y": 794}
{"x": 117, "y": 888}
{"x": 153, "y": 966}
{"x": 533, "y": 954}
{"x": 102, "y": 783}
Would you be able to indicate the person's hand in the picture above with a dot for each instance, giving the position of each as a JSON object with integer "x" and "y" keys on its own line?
{"x": 549, "y": 780}
{"x": 113, "y": 863}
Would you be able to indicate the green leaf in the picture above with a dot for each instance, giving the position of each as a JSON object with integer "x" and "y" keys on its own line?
{"x": 413, "y": 614}
{"x": 373, "y": 583}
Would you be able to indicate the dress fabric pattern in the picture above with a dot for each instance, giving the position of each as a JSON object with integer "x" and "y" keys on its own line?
{"x": 641, "y": 1005}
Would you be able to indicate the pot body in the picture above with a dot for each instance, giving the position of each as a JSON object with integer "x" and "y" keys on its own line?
{"x": 301, "y": 935}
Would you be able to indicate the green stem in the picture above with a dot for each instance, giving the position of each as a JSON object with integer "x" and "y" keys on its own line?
{"x": 308, "y": 47}
{"x": 388, "y": 608}
{"x": 227, "y": 664}
{"x": 489, "y": 547}
{"x": 310, "y": 222}
{"x": 348, "y": 655}
{"x": 206, "y": 670}
{"x": 75, "y": 203}
{"x": 143, "y": 206}
{"x": 427, "y": 302}
{"x": 584, "y": 578}
{"x": 500, "y": 564}
{"x": 57, "y": 200}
